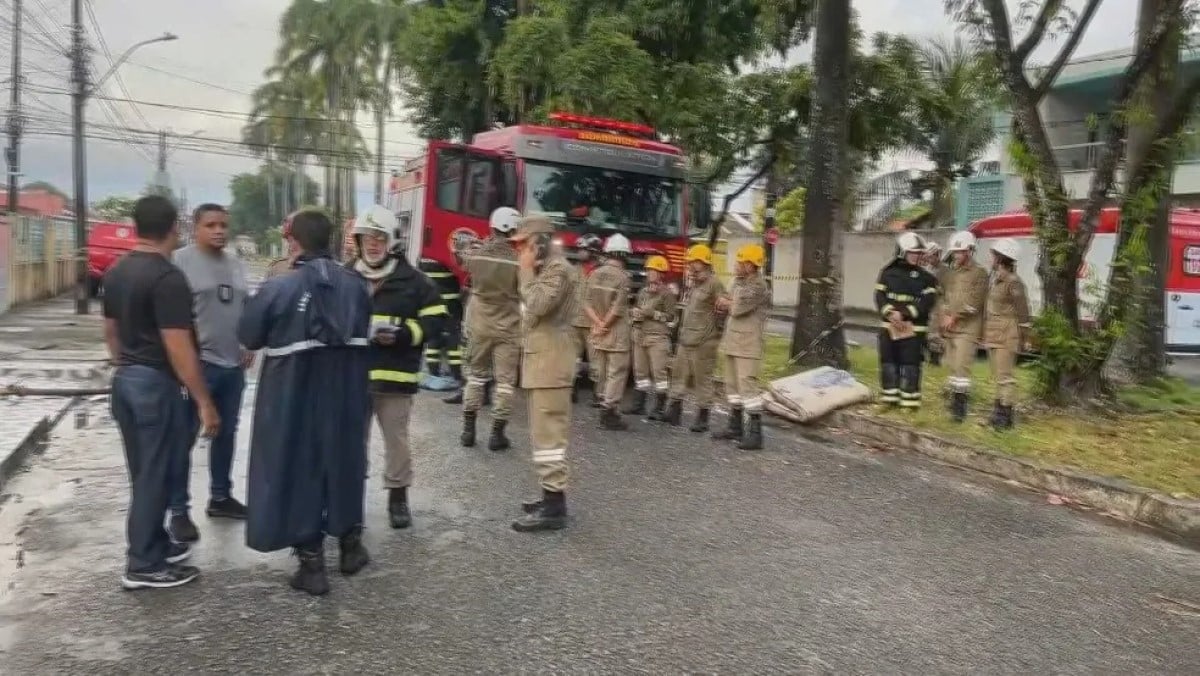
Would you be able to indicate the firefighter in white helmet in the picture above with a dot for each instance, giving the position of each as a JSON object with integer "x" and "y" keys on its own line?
{"x": 1007, "y": 327}
{"x": 607, "y": 306}
{"x": 960, "y": 317}
{"x": 494, "y": 324}
{"x": 905, "y": 294}
{"x": 405, "y": 310}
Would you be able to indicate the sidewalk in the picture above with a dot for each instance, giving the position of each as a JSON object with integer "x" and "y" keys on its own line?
{"x": 44, "y": 345}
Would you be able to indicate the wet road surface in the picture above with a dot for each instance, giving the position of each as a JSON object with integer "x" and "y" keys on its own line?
{"x": 684, "y": 555}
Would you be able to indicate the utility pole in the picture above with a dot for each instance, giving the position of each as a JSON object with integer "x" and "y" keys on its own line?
{"x": 79, "y": 91}
{"x": 15, "y": 120}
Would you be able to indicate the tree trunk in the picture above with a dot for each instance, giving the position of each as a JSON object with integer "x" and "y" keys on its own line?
{"x": 270, "y": 175}
{"x": 1141, "y": 355}
{"x": 817, "y": 338}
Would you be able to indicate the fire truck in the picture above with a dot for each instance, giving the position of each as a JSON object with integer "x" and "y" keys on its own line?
{"x": 588, "y": 174}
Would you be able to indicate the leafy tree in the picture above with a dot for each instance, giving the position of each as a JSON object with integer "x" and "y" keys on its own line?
{"x": 789, "y": 213}
{"x": 114, "y": 207}
{"x": 253, "y": 211}
{"x": 1071, "y": 367}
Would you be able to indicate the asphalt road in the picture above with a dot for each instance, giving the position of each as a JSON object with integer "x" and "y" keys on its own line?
{"x": 684, "y": 555}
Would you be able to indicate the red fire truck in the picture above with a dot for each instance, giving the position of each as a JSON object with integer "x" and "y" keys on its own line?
{"x": 588, "y": 174}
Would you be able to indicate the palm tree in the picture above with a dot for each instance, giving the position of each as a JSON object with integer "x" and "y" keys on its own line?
{"x": 385, "y": 57}
{"x": 954, "y": 127}
{"x": 284, "y": 126}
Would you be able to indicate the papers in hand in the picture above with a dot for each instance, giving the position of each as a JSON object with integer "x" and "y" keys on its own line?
{"x": 901, "y": 330}
{"x": 378, "y": 325}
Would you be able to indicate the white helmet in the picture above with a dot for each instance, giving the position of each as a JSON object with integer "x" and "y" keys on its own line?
{"x": 378, "y": 220}
{"x": 617, "y": 244}
{"x": 504, "y": 220}
{"x": 910, "y": 241}
{"x": 1008, "y": 247}
{"x": 962, "y": 241}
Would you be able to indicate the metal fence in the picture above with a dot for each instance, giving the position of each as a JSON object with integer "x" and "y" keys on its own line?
{"x": 36, "y": 258}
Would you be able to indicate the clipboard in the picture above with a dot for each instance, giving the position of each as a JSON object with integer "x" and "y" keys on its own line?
{"x": 906, "y": 330}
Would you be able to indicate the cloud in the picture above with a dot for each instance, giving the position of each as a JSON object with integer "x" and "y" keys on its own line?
{"x": 223, "y": 48}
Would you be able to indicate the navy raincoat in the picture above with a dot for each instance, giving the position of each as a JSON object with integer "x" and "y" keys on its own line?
{"x": 308, "y": 448}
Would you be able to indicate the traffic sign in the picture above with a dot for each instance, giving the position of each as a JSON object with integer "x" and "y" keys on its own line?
{"x": 771, "y": 235}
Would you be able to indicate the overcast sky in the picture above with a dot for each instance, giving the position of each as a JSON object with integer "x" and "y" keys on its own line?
{"x": 198, "y": 83}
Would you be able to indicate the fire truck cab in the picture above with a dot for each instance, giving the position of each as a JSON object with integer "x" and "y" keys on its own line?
{"x": 588, "y": 174}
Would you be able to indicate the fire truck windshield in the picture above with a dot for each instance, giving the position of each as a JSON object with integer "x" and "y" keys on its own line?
{"x": 590, "y": 197}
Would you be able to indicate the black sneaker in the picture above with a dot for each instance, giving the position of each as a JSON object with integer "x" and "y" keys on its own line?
{"x": 226, "y": 508}
{"x": 182, "y": 529}
{"x": 171, "y": 576}
{"x": 178, "y": 553}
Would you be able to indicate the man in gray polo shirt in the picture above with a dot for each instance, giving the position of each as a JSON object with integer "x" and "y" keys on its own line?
{"x": 219, "y": 289}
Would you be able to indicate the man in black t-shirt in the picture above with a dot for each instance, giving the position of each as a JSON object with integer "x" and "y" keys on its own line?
{"x": 150, "y": 337}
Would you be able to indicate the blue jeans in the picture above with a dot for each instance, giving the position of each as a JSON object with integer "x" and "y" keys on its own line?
{"x": 147, "y": 404}
{"x": 225, "y": 384}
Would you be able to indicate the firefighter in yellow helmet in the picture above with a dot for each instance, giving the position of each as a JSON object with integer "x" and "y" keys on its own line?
{"x": 747, "y": 305}
{"x": 653, "y": 312}
{"x": 699, "y": 333}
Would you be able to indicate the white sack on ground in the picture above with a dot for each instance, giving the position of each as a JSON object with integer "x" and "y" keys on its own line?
{"x": 812, "y": 394}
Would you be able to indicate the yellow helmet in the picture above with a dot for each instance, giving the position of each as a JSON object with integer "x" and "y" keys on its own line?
{"x": 699, "y": 252}
{"x": 753, "y": 254}
{"x": 657, "y": 263}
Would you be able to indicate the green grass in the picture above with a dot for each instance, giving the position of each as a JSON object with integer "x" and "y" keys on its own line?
{"x": 1155, "y": 443}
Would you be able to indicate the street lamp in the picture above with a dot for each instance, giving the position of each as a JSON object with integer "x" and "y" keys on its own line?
{"x": 80, "y": 92}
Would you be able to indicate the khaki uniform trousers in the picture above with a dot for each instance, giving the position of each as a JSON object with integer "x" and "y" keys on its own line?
{"x": 1003, "y": 363}
{"x": 651, "y": 364}
{"x": 583, "y": 346}
{"x": 743, "y": 388}
{"x": 960, "y": 355}
{"x": 498, "y": 356}
{"x": 613, "y": 370}
{"x": 693, "y": 372}
{"x": 549, "y": 430}
{"x": 393, "y": 410}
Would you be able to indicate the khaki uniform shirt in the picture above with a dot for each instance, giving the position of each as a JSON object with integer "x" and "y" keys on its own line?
{"x": 548, "y": 344}
{"x": 657, "y": 306}
{"x": 964, "y": 295}
{"x": 581, "y": 319}
{"x": 495, "y": 300}
{"x": 1008, "y": 320}
{"x": 700, "y": 322}
{"x": 751, "y": 302}
{"x": 608, "y": 291}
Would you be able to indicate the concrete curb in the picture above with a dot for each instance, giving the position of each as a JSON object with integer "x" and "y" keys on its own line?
{"x": 1178, "y": 517}
{"x": 34, "y": 443}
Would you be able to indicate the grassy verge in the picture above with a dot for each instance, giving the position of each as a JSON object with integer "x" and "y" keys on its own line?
{"x": 1156, "y": 444}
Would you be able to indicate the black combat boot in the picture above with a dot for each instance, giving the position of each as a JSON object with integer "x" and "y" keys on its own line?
{"x": 310, "y": 574}
{"x": 456, "y": 398}
{"x": 734, "y": 431}
{"x": 958, "y": 406}
{"x": 674, "y": 413}
{"x": 997, "y": 418}
{"x": 456, "y": 373}
{"x": 935, "y": 358}
{"x": 549, "y": 513}
{"x": 638, "y": 405}
{"x": 1006, "y": 417}
{"x": 752, "y": 440}
{"x": 399, "y": 515}
{"x": 498, "y": 442}
{"x": 889, "y": 382}
{"x": 610, "y": 419}
{"x": 701, "y": 424}
{"x": 353, "y": 555}
{"x": 468, "y": 432}
{"x": 659, "y": 407}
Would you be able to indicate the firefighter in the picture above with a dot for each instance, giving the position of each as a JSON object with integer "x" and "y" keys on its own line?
{"x": 588, "y": 248}
{"x": 960, "y": 317}
{"x": 281, "y": 265}
{"x": 448, "y": 343}
{"x": 607, "y": 309}
{"x": 904, "y": 295}
{"x": 747, "y": 305}
{"x": 548, "y": 294}
{"x": 494, "y": 326}
{"x": 936, "y": 345}
{"x": 652, "y": 315}
{"x": 699, "y": 334}
{"x": 1006, "y": 330}
{"x": 405, "y": 308}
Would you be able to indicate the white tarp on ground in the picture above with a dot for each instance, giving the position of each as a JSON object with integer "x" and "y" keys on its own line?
{"x": 805, "y": 397}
